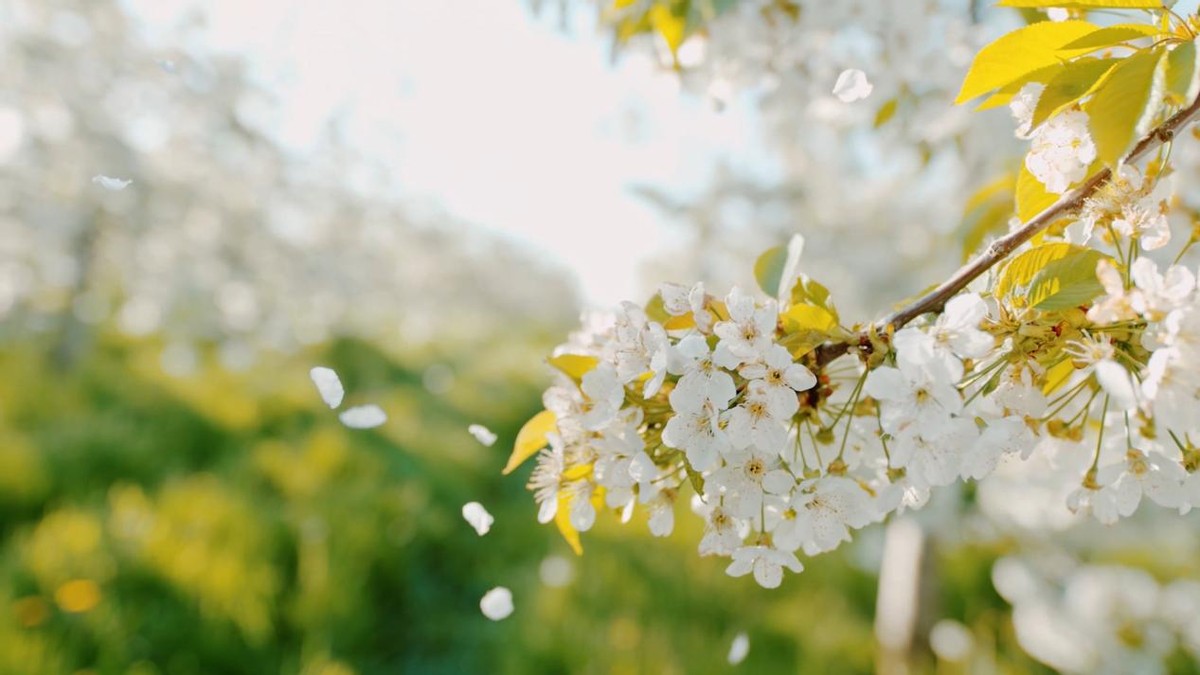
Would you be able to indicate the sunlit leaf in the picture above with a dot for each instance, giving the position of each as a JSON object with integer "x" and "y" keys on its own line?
{"x": 1069, "y": 281}
{"x": 1058, "y": 375}
{"x": 1124, "y": 104}
{"x": 574, "y": 366}
{"x": 801, "y": 318}
{"x": 1019, "y": 53}
{"x": 530, "y": 439}
{"x": 1108, "y": 36}
{"x": 670, "y": 26}
{"x": 986, "y": 212}
{"x": 1183, "y": 78}
{"x": 562, "y": 519}
{"x": 1005, "y": 94}
{"x": 1076, "y": 79}
{"x": 1051, "y": 277}
{"x": 1031, "y": 196}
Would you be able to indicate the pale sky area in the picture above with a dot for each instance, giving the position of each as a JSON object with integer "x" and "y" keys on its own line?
{"x": 502, "y": 118}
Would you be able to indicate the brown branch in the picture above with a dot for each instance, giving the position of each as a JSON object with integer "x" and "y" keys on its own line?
{"x": 1001, "y": 248}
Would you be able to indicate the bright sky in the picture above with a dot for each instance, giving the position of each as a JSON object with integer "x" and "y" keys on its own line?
{"x": 501, "y": 118}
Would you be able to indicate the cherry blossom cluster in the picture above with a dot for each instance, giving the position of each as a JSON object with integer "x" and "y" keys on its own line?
{"x": 781, "y": 460}
{"x": 785, "y": 453}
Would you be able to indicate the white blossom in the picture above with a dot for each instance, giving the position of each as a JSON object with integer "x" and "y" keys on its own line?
{"x": 765, "y": 562}
{"x": 1062, "y": 151}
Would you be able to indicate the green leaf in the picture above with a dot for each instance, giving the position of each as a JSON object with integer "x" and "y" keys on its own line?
{"x": 1123, "y": 106}
{"x": 1108, "y": 36}
{"x": 777, "y": 266}
{"x": 768, "y": 269}
{"x": 1067, "y": 282}
{"x": 1084, "y": 4}
{"x": 1019, "y": 53}
{"x": 1075, "y": 80}
{"x": 1183, "y": 78}
{"x": 1032, "y": 197}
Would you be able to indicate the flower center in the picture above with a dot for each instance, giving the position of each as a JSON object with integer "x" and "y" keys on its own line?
{"x": 756, "y": 469}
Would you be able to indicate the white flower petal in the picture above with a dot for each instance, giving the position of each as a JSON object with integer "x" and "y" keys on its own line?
{"x": 363, "y": 416}
{"x": 497, "y": 603}
{"x": 110, "y": 183}
{"x": 329, "y": 385}
{"x": 739, "y": 649}
{"x": 482, "y": 434}
{"x": 478, "y": 517}
{"x": 852, "y": 85}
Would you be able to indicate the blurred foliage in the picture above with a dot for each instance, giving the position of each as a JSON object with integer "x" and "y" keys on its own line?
{"x": 224, "y": 522}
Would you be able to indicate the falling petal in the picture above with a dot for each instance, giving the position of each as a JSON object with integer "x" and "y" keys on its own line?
{"x": 478, "y": 517}
{"x": 482, "y": 434}
{"x": 109, "y": 183}
{"x": 739, "y": 649}
{"x": 363, "y": 416}
{"x": 497, "y": 603}
{"x": 329, "y": 385}
{"x": 852, "y": 85}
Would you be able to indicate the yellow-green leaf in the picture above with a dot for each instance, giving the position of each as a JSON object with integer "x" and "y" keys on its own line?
{"x": 886, "y": 112}
{"x": 1032, "y": 197}
{"x": 574, "y": 366}
{"x": 1005, "y": 94}
{"x": 1183, "y": 78}
{"x": 1085, "y": 4}
{"x": 1106, "y": 37}
{"x": 987, "y": 211}
{"x": 809, "y": 291}
{"x": 776, "y": 263}
{"x": 1069, "y": 281}
{"x": 1021, "y": 270}
{"x": 1123, "y": 106}
{"x": 1019, "y": 53}
{"x": 1074, "y": 81}
{"x": 1058, "y": 375}
{"x": 768, "y": 269}
{"x": 655, "y": 311}
{"x": 672, "y": 27}
{"x": 530, "y": 439}
{"x": 1051, "y": 277}
{"x": 802, "y": 318}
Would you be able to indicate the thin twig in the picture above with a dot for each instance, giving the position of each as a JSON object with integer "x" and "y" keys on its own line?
{"x": 1001, "y": 248}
